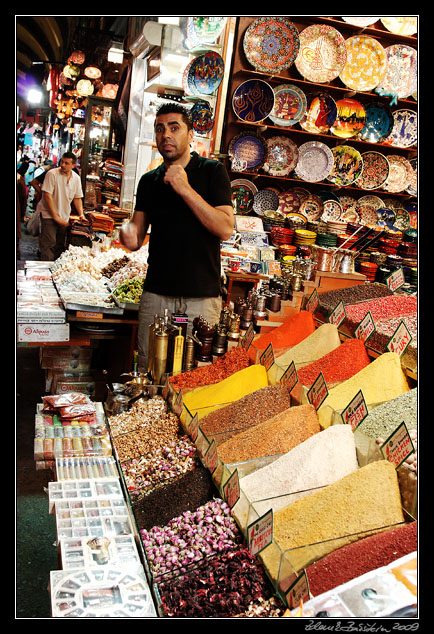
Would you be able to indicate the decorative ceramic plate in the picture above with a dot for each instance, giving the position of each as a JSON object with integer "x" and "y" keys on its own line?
{"x": 253, "y": 100}
{"x": 289, "y": 105}
{"x": 385, "y": 217}
{"x": 348, "y": 165}
{"x": 347, "y": 202}
{"x": 404, "y": 131}
{"x": 412, "y": 188}
{"x": 207, "y": 72}
{"x": 301, "y": 192}
{"x": 368, "y": 215}
{"x": 243, "y": 192}
{"x": 202, "y": 117}
{"x": 402, "y": 219}
{"x": 375, "y": 170}
{"x": 350, "y": 119}
{"x": 271, "y": 44}
{"x": 332, "y": 211}
{"x": 327, "y": 195}
{"x": 365, "y": 65}
{"x": 296, "y": 219}
{"x": 247, "y": 151}
{"x": 315, "y": 161}
{"x": 378, "y": 124}
{"x": 321, "y": 113}
{"x": 322, "y": 53}
{"x": 208, "y": 29}
{"x": 399, "y": 175}
{"x": 187, "y": 85}
{"x": 282, "y": 156}
{"x": 401, "y": 25}
{"x": 400, "y": 78}
{"x": 289, "y": 202}
{"x": 350, "y": 215}
{"x": 265, "y": 199}
{"x": 312, "y": 208}
{"x": 360, "y": 20}
{"x": 372, "y": 201}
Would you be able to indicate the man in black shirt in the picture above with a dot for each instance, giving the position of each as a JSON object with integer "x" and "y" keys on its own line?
{"x": 187, "y": 202}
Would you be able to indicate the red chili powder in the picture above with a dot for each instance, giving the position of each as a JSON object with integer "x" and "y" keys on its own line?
{"x": 338, "y": 365}
{"x": 292, "y": 331}
{"x": 361, "y": 557}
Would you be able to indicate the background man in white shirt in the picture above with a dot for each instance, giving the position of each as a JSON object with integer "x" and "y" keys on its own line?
{"x": 60, "y": 188}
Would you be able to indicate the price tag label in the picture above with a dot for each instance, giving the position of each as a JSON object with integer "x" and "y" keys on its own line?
{"x": 267, "y": 357}
{"x": 87, "y": 315}
{"x": 178, "y": 404}
{"x": 318, "y": 392}
{"x": 400, "y": 340}
{"x": 395, "y": 280}
{"x": 312, "y": 302}
{"x": 260, "y": 533}
{"x": 338, "y": 314}
{"x": 366, "y": 327}
{"x": 289, "y": 377}
{"x": 356, "y": 411}
{"x": 211, "y": 457}
{"x": 193, "y": 429}
{"x": 166, "y": 388}
{"x": 231, "y": 489}
{"x": 298, "y": 591}
{"x": 398, "y": 446}
{"x": 248, "y": 337}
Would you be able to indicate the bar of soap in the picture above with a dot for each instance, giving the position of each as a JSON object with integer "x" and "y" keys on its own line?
{"x": 277, "y": 435}
{"x": 205, "y": 399}
{"x": 382, "y": 380}
{"x": 323, "y": 340}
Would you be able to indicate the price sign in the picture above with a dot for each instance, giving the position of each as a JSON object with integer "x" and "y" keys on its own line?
{"x": 338, "y": 314}
{"x": 211, "y": 457}
{"x": 298, "y": 591}
{"x": 193, "y": 429}
{"x": 260, "y": 533}
{"x": 166, "y": 389}
{"x": 400, "y": 340}
{"x": 248, "y": 337}
{"x": 87, "y": 315}
{"x": 178, "y": 405}
{"x": 366, "y": 327}
{"x": 312, "y": 302}
{"x": 267, "y": 357}
{"x": 356, "y": 411}
{"x": 398, "y": 446}
{"x": 318, "y": 392}
{"x": 231, "y": 489}
{"x": 289, "y": 377}
{"x": 395, "y": 280}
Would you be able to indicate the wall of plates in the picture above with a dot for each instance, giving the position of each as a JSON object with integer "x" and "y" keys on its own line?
{"x": 321, "y": 122}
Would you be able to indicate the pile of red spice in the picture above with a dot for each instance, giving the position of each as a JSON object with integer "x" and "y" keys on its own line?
{"x": 338, "y": 365}
{"x": 360, "y": 557}
{"x": 233, "y": 361}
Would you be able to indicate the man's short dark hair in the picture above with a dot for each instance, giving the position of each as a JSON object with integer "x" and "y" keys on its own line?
{"x": 169, "y": 108}
{"x": 70, "y": 155}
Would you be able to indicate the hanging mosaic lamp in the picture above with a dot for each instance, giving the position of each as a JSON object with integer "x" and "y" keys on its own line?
{"x": 71, "y": 71}
{"x": 84, "y": 87}
{"x": 76, "y": 57}
{"x": 92, "y": 72}
{"x": 109, "y": 91}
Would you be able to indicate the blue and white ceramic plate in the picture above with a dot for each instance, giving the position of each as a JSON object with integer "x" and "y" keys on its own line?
{"x": 289, "y": 105}
{"x": 379, "y": 123}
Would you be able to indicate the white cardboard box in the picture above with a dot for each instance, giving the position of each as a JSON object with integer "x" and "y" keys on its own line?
{"x": 43, "y": 332}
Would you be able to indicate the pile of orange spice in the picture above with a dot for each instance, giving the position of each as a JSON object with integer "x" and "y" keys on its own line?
{"x": 338, "y": 365}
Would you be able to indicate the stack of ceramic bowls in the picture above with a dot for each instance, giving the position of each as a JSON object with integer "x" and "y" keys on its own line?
{"x": 334, "y": 226}
{"x": 394, "y": 262}
{"x": 281, "y": 235}
{"x": 386, "y": 245}
{"x": 343, "y": 237}
{"x": 303, "y": 237}
{"x": 369, "y": 269}
{"x": 287, "y": 250}
{"x": 326, "y": 239}
{"x": 408, "y": 250}
{"x": 378, "y": 258}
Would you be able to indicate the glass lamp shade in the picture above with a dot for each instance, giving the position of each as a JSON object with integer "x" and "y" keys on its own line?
{"x": 71, "y": 71}
{"x": 84, "y": 87}
{"x": 92, "y": 72}
{"x": 76, "y": 57}
{"x": 109, "y": 91}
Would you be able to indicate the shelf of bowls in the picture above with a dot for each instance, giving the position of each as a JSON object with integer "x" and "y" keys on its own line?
{"x": 355, "y": 101}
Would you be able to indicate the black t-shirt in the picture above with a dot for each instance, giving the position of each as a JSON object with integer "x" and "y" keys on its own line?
{"x": 184, "y": 257}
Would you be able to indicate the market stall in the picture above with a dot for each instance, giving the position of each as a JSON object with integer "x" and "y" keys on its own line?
{"x": 259, "y": 463}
